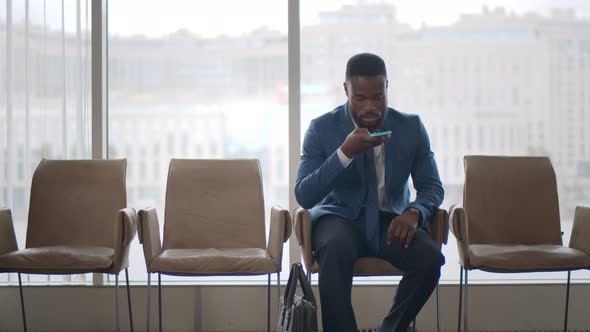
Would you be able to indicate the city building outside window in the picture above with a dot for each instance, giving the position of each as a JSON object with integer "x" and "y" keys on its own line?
{"x": 201, "y": 83}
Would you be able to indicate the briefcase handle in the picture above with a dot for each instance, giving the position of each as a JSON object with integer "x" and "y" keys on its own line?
{"x": 297, "y": 274}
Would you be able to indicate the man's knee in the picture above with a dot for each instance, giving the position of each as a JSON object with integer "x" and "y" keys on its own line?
{"x": 336, "y": 249}
{"x": 335, "y": 239}
{"x": 431, "y": 262}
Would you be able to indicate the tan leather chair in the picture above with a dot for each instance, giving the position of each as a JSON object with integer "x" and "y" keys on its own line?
{"x": 509, "y": 221}
{"x": 78, "y": 223}
{"x": 366, "y": 266}
{"x": 214, "y": 225}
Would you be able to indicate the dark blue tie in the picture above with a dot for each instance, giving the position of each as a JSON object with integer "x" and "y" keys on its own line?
{"x": 371, "y": 205}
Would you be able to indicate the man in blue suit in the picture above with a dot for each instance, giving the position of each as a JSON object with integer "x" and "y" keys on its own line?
{"x": 356, "y": 189}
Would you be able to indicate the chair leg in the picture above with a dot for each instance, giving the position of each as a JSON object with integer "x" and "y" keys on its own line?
{"x": 567, "y": 300}
{"x": 460, "y": 298}
{"x": 22, "y": 303}
{"x": 268, "y": 304}
{"x": 279, "y": 291}
{"x": 465, "y": 326}
{"x": 160, "y": 300}
{"x": 117, "y": 303}
{"x": 437, "y": 310}
{"x": 147, "y": 323}
{"x": 129, "y": 300}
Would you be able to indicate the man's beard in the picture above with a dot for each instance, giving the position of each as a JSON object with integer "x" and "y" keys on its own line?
{"x": 362, "y": 124}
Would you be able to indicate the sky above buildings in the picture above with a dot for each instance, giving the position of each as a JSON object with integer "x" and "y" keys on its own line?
{"x": 156, "y": 18}
{"x": 233, "y": 17}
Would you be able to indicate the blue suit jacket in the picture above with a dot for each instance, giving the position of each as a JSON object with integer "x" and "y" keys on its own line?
{"x": 324, "y": 186}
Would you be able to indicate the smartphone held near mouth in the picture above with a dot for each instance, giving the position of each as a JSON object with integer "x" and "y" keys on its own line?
{"x": 382, "y": 133}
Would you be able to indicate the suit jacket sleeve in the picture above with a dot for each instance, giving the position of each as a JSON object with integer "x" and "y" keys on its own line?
{"x": 318, "y": 168}
{"x": 429, "y": 189}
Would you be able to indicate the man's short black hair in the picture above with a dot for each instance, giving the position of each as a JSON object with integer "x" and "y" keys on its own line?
{"x": 365, "y": 64}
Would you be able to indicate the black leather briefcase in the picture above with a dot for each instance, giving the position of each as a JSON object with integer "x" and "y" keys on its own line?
{"x": 298, "y": 314}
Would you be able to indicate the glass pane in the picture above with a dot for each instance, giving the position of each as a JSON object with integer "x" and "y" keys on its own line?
{"x": 44, "y": 99}
{"x": 501, "y": 81}
{"x": 204, "y": 82}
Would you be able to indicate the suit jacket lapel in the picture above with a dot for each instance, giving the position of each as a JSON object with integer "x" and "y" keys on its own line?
{"x": 391, "y": 147}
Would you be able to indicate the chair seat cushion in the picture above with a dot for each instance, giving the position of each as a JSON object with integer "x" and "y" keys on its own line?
{"x": 213, "y": 261}
{"x": 525, "y": 258}
{"x": 58, "y": 259}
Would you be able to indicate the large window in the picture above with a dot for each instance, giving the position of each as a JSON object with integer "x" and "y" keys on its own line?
{"x": 484, "y": 81}
{"x": 191, "y": 79}
{"x": 44, "y": 99}
{"x": 208, "y": 79}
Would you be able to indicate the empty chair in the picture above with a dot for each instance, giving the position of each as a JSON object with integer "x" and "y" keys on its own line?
{"x": 509, "y": 222}
{"x": 214, "y": 224}
{"x": 78, "y": 223}
{"x": 366, "y": 266}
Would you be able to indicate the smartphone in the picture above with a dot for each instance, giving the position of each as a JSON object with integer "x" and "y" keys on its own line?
{"x": 379, "y": 134}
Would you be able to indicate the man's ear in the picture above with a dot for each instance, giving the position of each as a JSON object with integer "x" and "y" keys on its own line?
{"x": 386, "y": 84}
{"x": 345, "y": 88}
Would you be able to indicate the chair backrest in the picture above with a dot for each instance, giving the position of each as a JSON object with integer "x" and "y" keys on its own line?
{"x": 75, "y": 202}
{"x": 214, "y": 204}
{"x": 511, "y": 200}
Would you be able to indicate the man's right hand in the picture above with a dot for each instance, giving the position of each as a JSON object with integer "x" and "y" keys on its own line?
{"x": 359, "y": 141}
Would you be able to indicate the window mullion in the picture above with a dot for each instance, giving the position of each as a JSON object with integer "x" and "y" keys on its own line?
{"x": 294, "y": 46}
{"x": 99, "y": 88}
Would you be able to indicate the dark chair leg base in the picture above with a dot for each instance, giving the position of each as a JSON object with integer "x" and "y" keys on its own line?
{"x": 160, "y": 301}
{"x": 567, "y": 300}
{"x": 129, "y": 301}
{"x": 22, "y": 303}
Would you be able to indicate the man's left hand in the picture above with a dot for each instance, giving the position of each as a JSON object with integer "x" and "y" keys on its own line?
{"x": 403, "y": 228}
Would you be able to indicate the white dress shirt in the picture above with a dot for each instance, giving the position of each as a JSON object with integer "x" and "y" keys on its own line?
{"x": 379, "y": 153}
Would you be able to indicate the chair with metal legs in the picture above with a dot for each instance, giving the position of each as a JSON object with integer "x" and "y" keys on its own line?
{"x": 78, "y": 223}
{"x": 509, "y": 223}
{"x": 214, "y": 225}
{"x": 366, "y": 266}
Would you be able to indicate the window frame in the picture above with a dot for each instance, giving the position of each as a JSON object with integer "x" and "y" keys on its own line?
{"x": 100, "y": 112}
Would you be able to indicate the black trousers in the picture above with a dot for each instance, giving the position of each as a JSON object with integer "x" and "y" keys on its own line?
{"x": 338, "y": 242}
